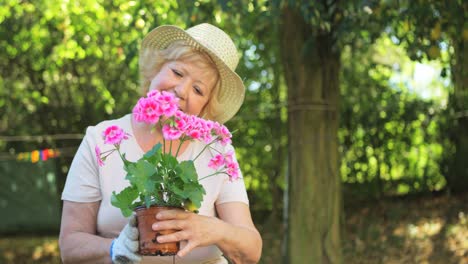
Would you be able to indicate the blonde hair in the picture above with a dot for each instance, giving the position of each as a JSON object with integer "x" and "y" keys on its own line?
{"x": 152, "y": 60}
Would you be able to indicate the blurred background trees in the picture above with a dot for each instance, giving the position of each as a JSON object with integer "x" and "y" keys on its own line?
{"x": 346, "y": 100}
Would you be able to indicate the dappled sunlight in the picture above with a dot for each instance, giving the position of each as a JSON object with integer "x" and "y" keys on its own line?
{"x": 427, "y": 230}
{"x": 423, "y": 229}
{"x": 457, "y": 240}
{"x": 48, "y": 248}
{"x": 417, "y": 243}
{"x": 34, "y": 249}
{"x": 420, "y": 230}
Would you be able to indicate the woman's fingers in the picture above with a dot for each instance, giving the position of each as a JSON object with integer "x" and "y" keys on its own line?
{"x": 173, "y": 214}
{"x": 197, "y": 230}
{"x": 173, "y": 237}
{"x": 185, "y": 250}
{"x": 169, "y": 224}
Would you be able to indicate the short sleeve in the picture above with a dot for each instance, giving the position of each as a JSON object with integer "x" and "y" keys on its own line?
{"x": 233, "y": 191}
{"x": 82, "y": 183}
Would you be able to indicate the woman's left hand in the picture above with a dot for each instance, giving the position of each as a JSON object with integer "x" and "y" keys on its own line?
{"x": 198, "y": 230}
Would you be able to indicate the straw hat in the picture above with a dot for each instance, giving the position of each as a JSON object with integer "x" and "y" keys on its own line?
{"x": 219, "y": 46}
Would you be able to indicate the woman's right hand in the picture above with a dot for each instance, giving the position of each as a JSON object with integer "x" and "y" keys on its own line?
{"x": 125, "y": 247}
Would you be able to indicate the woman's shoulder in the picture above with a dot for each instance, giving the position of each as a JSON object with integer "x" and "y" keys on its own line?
{"x": 123, "y": 122}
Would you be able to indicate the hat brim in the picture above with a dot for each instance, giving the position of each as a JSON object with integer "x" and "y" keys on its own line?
{"x": 232, "y": 89}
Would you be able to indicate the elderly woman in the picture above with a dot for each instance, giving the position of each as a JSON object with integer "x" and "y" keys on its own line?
{"x": 197, "y": 66}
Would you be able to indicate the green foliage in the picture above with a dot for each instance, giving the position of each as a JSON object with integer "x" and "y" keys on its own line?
{"x": 79, "y": 65}
{"x": 143, "y": 175}
{"x": 445, "y": 31}
{"x": 444, "y": 23}
{"x": 261, "y": 135}
{"x": 159, "y": 179}
{"x": 390, "y": 135}
{"x": 67, "y": 65}
{"x": 124, "y": 200}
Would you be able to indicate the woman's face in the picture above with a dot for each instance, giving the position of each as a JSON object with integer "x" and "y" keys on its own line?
{"x": 192, "y": 85}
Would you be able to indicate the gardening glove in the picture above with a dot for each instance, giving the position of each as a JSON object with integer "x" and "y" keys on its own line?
{"x": 124, "y": 249}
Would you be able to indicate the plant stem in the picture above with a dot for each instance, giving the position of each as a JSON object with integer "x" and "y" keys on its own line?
{"x": 204, "y": 149}
{"x": 170, "y": 147}
{"x": 120, "y": 154}
{"x": 213, "y": 174}
{"x": 164, "y": 140}
{"x": 180, "y": 145}
{"x": 216, "y": 150}
{"x": 110, "y": 152}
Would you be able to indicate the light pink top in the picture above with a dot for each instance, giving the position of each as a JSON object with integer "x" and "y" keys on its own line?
{"x": 87, "y": 182}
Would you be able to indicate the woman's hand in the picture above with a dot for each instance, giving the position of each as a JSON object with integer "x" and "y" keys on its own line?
{"x": 198, "y": 230}
{"x": 233, "y": 233}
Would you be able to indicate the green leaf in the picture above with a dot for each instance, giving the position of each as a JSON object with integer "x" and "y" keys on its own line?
{"x": 186, "y": 171}
{"x": 141, "y": 174}
{"x": 154, "y": 153}
{"x": 195, "y": 192}
{"x": 124, "y": 199}
{"x": 126, "y": 162}
{"x": 148, "y": 201}
{"x": 177, "y": 191}
{"x": 170, "y": 161}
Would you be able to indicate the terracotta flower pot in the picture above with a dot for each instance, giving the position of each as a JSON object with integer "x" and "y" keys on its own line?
{"x": 149, "y": 245}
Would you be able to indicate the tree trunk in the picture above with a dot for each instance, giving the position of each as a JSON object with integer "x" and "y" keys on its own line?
{"x": 314, "y": 206}
{"x": 457, "y": 178}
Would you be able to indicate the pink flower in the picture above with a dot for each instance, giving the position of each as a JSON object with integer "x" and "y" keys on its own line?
{"x": 206, "y": 127}
{"x": 223, "y": 134}
{"x": 181, "y": 124}
{"x": 182, "y": 121}
{"x": 153, "y": 93}
{"x": 171, "y": 133}
{"x": 229, "y": 156}
{"x": 168, "y": 103}
{"x": 232, "y": 169}
{"x": 114, "y": 135}
{"x": 147, "y": 110}
{"x": 216, "y": 162}
{"x": 194, "y": 134}
{"x": 98, "y": 156}
{"x": 194, "y": 128}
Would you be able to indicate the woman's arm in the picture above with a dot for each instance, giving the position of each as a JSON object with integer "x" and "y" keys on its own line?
{"x": 233, "y": 232}
{"x": 241, "y": 241}
{"x": 78, "y": 240}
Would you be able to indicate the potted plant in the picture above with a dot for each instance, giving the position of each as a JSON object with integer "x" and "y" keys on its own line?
{"x": 157, "y": 180}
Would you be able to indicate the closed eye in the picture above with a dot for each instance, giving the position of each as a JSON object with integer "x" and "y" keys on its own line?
{"x": 198, "y": 90}
{"x": 178, "y": 73}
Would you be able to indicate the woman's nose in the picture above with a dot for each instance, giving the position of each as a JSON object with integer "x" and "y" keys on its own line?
{"x": 181, "y": 89}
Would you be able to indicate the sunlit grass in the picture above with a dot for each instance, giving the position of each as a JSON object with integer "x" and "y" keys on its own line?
{"x": 457, "y": 240}
{"x": 424, "y": 230}
{"x": 29, "y": 250}
{"x": 429, "y": 230}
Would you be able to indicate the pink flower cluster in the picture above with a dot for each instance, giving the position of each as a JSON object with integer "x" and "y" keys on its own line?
{"x": 113, "y": 135}
{"x": 157, "y": 104}
{"x": 227, "y": 162}
{"x": 192, "y": 127}
{"x": 161, "y": 108}
{"x": 164, "y": 105}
